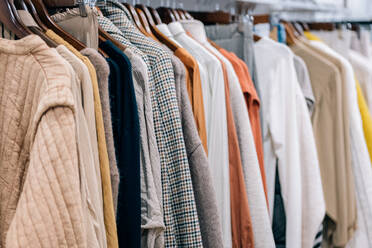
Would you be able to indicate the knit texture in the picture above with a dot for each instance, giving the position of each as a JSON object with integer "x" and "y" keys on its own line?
{"x": 103, "y": 70}
{"x": 40, "y": 187}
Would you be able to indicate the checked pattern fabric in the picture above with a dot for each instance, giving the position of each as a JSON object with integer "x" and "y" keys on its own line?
{"x": 180, "y": 215}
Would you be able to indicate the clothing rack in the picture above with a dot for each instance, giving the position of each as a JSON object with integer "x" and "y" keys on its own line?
{"x": 163, "y": 133}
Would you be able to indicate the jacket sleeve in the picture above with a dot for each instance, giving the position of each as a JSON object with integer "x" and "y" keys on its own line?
{"x": 49, "y": 211}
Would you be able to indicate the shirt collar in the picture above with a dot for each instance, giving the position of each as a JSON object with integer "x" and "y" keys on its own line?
{"x": 196, "y": 29}
{"x": 23, "y": 46}
{"x": 165, "y": 30}
{"x": 176, "y": 28}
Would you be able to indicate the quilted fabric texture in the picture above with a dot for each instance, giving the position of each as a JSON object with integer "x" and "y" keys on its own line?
{"x": 180, "y": 215}
{"x": 40, "y": 183}
{"x": 108, "y": 205}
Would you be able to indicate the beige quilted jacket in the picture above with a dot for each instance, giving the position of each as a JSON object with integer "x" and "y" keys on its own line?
{"x": 40, "y": 201}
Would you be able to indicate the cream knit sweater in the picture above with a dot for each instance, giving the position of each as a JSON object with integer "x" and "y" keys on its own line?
{"x": 40, "y": 199}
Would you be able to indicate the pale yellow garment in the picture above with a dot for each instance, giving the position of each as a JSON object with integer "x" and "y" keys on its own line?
{"x": 366, "y": 119}
{"x": 333, "y": 147}
{"x": 311, "y": 36}
{"x": 108, "y": 205}
{"x": 363, "y": 108}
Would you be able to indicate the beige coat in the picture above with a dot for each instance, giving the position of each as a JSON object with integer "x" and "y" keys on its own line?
{"x": 40, "y": 203}
{"x": 331, "y": 129}
{"x": 108, "y": 205}
{"x": 90, "y": 183}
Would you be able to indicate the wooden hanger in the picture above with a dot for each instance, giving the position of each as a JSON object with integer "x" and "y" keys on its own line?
{"x": 135, "y": 17}
{"x": 31, "y": 30}
{"x": 322, "y": 26}
{"x": 17, "y": 17}
{"x": 176, "y": 15}
{"x": 187, "y": 15}
{"x": 291, "y": 37}
{"x": 293, "y": 29}
{"x": 145, "y": 24}
{"x": 155, "y": 15}
{"x": 31, "y": 9}
{"x": 55, "y": 4}
{"x": 42, "y": 12}
{"x": 182, "y": 14}
{"x": 274, "y": 33}
{"x": 10, "y": 21}
{"x": 256, "y": 37}
{"x": 20, "y": 5}
{"x": 39, "y": 7}
{"x": 211, "y": 18}
{"x": 259, "y": 19}
{"x": 155, "y": 31}
{"x": 305, "y": 27}
{"x": 106, "y": 36}
{"x": 166, "y": 15}
{"x": 297, "y": 28}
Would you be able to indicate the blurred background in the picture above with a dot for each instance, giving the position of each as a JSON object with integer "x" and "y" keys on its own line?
{"x": 321, "y": 9}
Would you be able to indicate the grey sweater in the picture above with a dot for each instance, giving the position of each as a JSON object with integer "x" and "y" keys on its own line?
{"x": 103, "y": 70}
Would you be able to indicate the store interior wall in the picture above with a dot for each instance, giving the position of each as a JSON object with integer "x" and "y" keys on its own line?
{"x": 361, "y": 8}
{"x": 355, "y": 8}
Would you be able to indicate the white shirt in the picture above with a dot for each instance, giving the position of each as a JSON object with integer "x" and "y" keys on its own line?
{"x": 288, "y": 137}
{"x": 91, "y": 187}
{"x": 262, "y": 231}
{"x": 163, "y": 28}
{"x": 215, "y": 108}
{"x": 362, "y": 44}
{"x": 361, "y": 163}
{"x": 363, "y": 71}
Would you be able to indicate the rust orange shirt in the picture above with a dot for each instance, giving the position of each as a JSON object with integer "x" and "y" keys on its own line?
{"x": 253, "y": 106}
{"x": 194, "y": 89}
{"x": 241, "y": 223}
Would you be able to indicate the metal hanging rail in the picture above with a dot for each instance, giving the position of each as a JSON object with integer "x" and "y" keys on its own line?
{"x": 288, "y": 5}
{"x": 306, "y": 10}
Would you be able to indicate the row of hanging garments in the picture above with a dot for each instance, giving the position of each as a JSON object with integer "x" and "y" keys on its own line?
{"x": 322, "y": 184}
{"x": 128, "y": 126}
